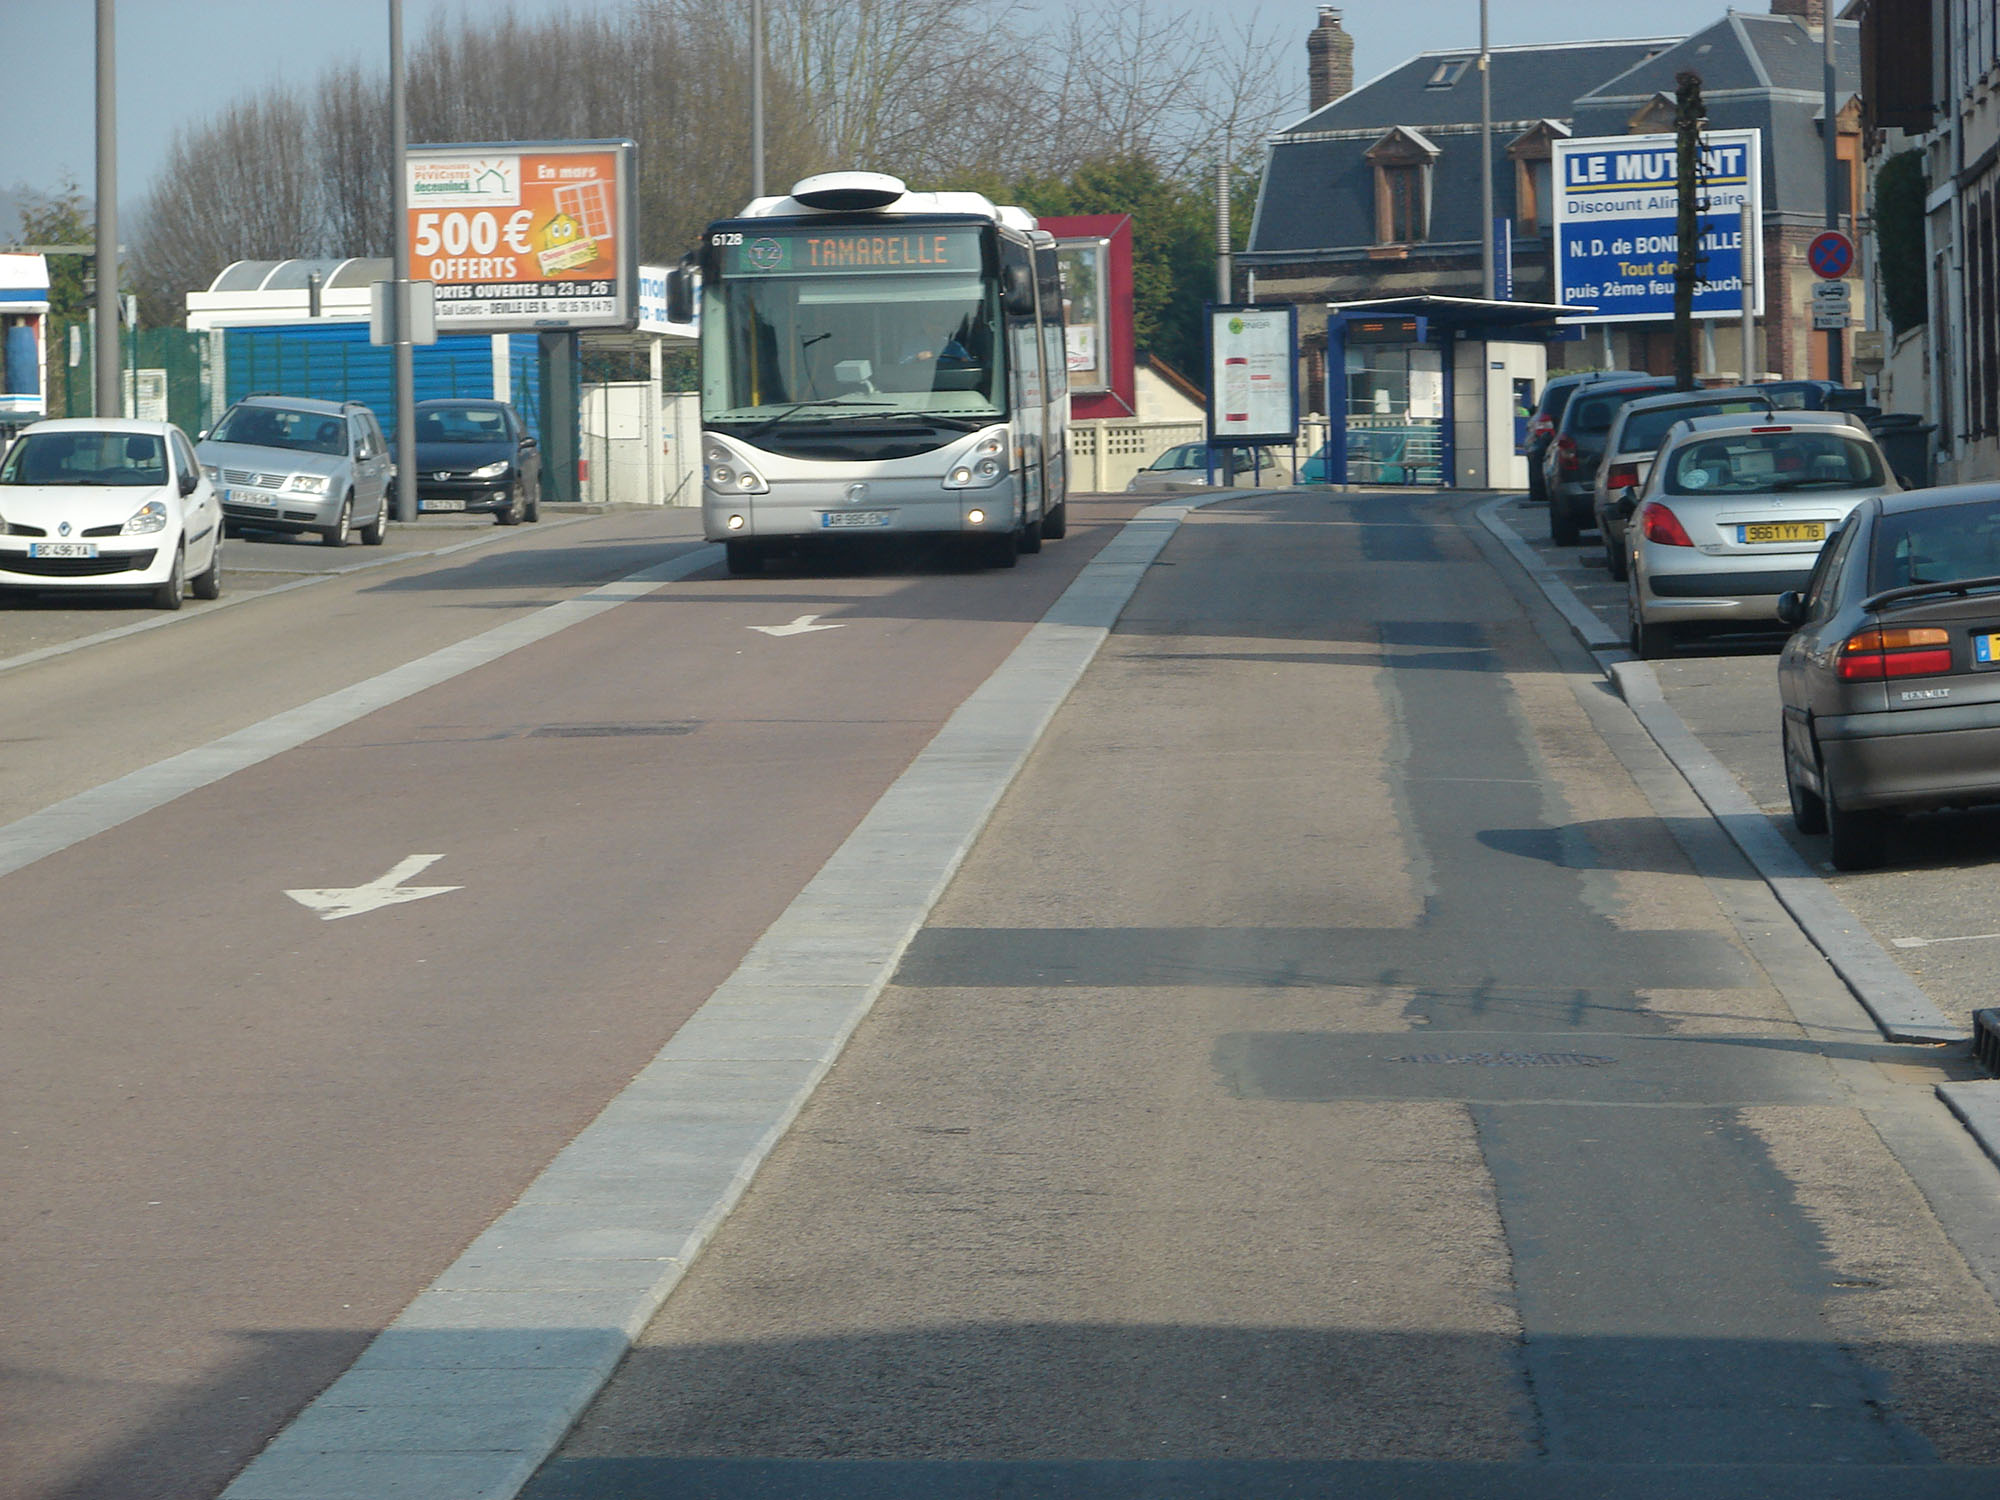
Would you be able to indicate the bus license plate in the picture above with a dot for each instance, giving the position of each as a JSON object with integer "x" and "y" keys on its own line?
{"x": 1781, "y": 531}
{"x": 1986, "y": 649}
{"x": 855, "y": 517}
{"x": 62, "y": 549}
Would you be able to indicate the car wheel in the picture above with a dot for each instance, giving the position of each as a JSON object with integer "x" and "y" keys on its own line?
{"x": 1614, "y": 556}
{"x": 1537, "y": 493}
{"x": 1650, "y": 642}
{"x": 535, "y": 503}
{"x": 373, "y": 533}
{"x": 743, "y": 558}
{"x": 336, "y": 535}
{"x": 1562, "y": 525}
{"x": 1808, "y": 807}
{"x": 1860, "y": 840}
{"x": 511, "y": 515}
{"x": 1030, "y": 537}
{"x": 207, "y": 583}
{"x": 169, "y": 594}
{"x": 1055, "y": 525}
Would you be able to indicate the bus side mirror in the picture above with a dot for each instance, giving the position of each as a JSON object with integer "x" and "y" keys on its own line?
{"x": 680, "y": 295}
{"x": 1017, "y": 291}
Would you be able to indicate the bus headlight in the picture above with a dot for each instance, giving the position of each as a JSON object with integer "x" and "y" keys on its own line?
{"x": 983, "y": 466}
{"x": 730, "y": 474}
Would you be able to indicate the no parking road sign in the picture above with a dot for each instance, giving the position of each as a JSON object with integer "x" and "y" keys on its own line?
{"x": 1831, "y": 255}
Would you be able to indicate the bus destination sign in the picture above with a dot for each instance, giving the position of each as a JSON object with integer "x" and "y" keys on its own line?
{"x": 795, "y": 252}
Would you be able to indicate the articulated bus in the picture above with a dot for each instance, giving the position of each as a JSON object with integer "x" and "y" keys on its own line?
{"x": 877, "y": 362}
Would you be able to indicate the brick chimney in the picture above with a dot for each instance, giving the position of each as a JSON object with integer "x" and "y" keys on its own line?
{"x": 1330, "y": 59}
{"x": 1812, "y": 12}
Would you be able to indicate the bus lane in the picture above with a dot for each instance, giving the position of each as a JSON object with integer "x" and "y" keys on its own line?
{"x": 280, "y": 1047}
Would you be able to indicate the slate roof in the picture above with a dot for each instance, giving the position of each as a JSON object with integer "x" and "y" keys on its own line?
{"x": 1319, "y": 193}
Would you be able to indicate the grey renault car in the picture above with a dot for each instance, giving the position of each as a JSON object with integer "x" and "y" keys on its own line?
{"x": 293, "y": 463}
{"x": 1890, "y": 682}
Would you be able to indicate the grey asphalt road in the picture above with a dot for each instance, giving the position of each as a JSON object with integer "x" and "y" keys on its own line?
{"x": 240, "y": 1137}
{"x": 1349, "y": 1063}
{"x": 1932, "y": 908}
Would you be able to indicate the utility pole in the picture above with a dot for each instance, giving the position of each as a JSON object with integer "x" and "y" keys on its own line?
{"x": 1487, "y": 278}
{"x": 1224, "y": 267}
{"x": 399, "y": 273}
{"x": 1832, "y": 144}
{"x": 756, "y": 98}
{"x": 1689, "y": 112}
{"x": 104, "y": 337}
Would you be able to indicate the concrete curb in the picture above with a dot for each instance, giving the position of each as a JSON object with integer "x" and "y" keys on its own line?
{"x": 1900, "y": 1008}
{"x": 478, "y": 1380}
{"x": 1977, "y": 1105}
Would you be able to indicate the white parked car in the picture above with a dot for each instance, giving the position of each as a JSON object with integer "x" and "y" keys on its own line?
{"x": 99, "y": 503}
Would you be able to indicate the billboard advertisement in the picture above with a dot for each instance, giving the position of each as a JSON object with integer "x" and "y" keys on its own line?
{"x": 1086, "y": 282}
{"x": 525, "y": 237}
{"x": 1615, "y": 231}
{"x": 1253, "y": 364}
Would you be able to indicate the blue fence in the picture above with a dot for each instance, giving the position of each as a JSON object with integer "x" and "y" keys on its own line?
{"x": 335, "y": 362}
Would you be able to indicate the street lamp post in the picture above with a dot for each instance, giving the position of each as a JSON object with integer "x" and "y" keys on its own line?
{"x": 399, "y": 273}
{"x": 104, "y": 337}
{"x": 756, "y": 98}
{"x": 1486, "y": 268}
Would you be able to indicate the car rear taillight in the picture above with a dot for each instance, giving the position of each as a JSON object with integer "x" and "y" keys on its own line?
{"x": 1882, "y": 652}
{"x": 1621, "y": 477}
{"x": 1541, "y": 427}
{"x": 1658, "y": 524}
{"x": 1566, "y": 453}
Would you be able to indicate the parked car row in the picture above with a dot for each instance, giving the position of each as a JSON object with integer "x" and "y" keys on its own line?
{"x": 105, "y": 503}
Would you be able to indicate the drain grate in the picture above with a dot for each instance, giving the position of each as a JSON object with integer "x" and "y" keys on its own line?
{"x": 1986, "y": 1040}
{"x": 1509, "y": 1059}
{"x": 609, "y": 731}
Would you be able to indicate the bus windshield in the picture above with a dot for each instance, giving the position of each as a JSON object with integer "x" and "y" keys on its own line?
{"x": 834, "y": 345}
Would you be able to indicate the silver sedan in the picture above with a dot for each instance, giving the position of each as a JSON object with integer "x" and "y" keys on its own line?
{"x": 1734, "y": 513}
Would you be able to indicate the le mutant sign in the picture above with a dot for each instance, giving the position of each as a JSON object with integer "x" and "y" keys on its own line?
{"x": 1615, "y": 227}
{"x": 525, "y": 236}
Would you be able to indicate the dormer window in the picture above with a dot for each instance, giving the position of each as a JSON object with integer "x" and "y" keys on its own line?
{"x": 1448, "y": 72}
{"x": 1402, "y": 160}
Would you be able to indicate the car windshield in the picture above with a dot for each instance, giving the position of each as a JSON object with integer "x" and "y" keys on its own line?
{"x": 1936, "y": 546}
{"x": 282, "y": 427}
{"x": 1644, "y": 431}
{"x": 86, "y": 458}
{"x": 1745, "y": 463}
{"x": 464, "y": 424}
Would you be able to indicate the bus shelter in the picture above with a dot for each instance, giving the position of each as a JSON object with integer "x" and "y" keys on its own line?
{"x": 1435, "y": 390}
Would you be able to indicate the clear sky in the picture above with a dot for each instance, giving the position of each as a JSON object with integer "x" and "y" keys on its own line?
{"x": 179, "y": 60}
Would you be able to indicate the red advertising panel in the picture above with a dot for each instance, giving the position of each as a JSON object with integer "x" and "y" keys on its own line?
{"x": 523, "y": 237}
{"x": 1095, "y": 254}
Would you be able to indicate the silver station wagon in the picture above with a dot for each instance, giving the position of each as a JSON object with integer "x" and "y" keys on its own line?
{"x": 291, "y": 463}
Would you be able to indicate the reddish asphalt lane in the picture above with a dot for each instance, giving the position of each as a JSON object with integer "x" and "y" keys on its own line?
{"x": 241, "y": 1137}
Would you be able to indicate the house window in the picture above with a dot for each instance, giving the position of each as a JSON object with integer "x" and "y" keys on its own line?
{"x": 1401, "y": 220}
{"x": 1448, "y": 72}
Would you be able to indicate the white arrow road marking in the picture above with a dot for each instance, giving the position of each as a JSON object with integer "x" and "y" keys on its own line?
{"x": 386, "y": 890}
{"x": 1971, "y": 937}
{"x": 801, "y": 626}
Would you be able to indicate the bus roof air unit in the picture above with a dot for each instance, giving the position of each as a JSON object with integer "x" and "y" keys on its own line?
{"x": 848, "y": 191}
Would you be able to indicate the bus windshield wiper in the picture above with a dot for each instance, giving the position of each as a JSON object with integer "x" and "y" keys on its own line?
{"x": 798, "y": 406}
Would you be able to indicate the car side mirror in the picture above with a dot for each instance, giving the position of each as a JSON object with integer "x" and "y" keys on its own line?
{"x": 188, "y": 483}
{"x": 1017, "y": 289}
{"x": 1791, "y": 608}
{"x": 680, "y": 294}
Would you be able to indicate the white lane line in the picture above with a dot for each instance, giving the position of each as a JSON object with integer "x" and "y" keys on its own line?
{"x": 803, "y": 625}
{"x": 474, "y": 1385}
{"x": 229, "y": 601}
{"x": 335, "y": 902}
{"x": 77, "y": 818}
{"x": 1971, "y": 937}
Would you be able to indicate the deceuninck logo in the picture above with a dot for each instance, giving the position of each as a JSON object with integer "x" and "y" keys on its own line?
{"x": 469, "y": 182}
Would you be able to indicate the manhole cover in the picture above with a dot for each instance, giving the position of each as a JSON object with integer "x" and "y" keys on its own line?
{"x": 1509, "y": 1059}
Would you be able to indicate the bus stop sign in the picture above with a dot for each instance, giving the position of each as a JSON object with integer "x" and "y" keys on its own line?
{"x": 1831, "y": 255}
